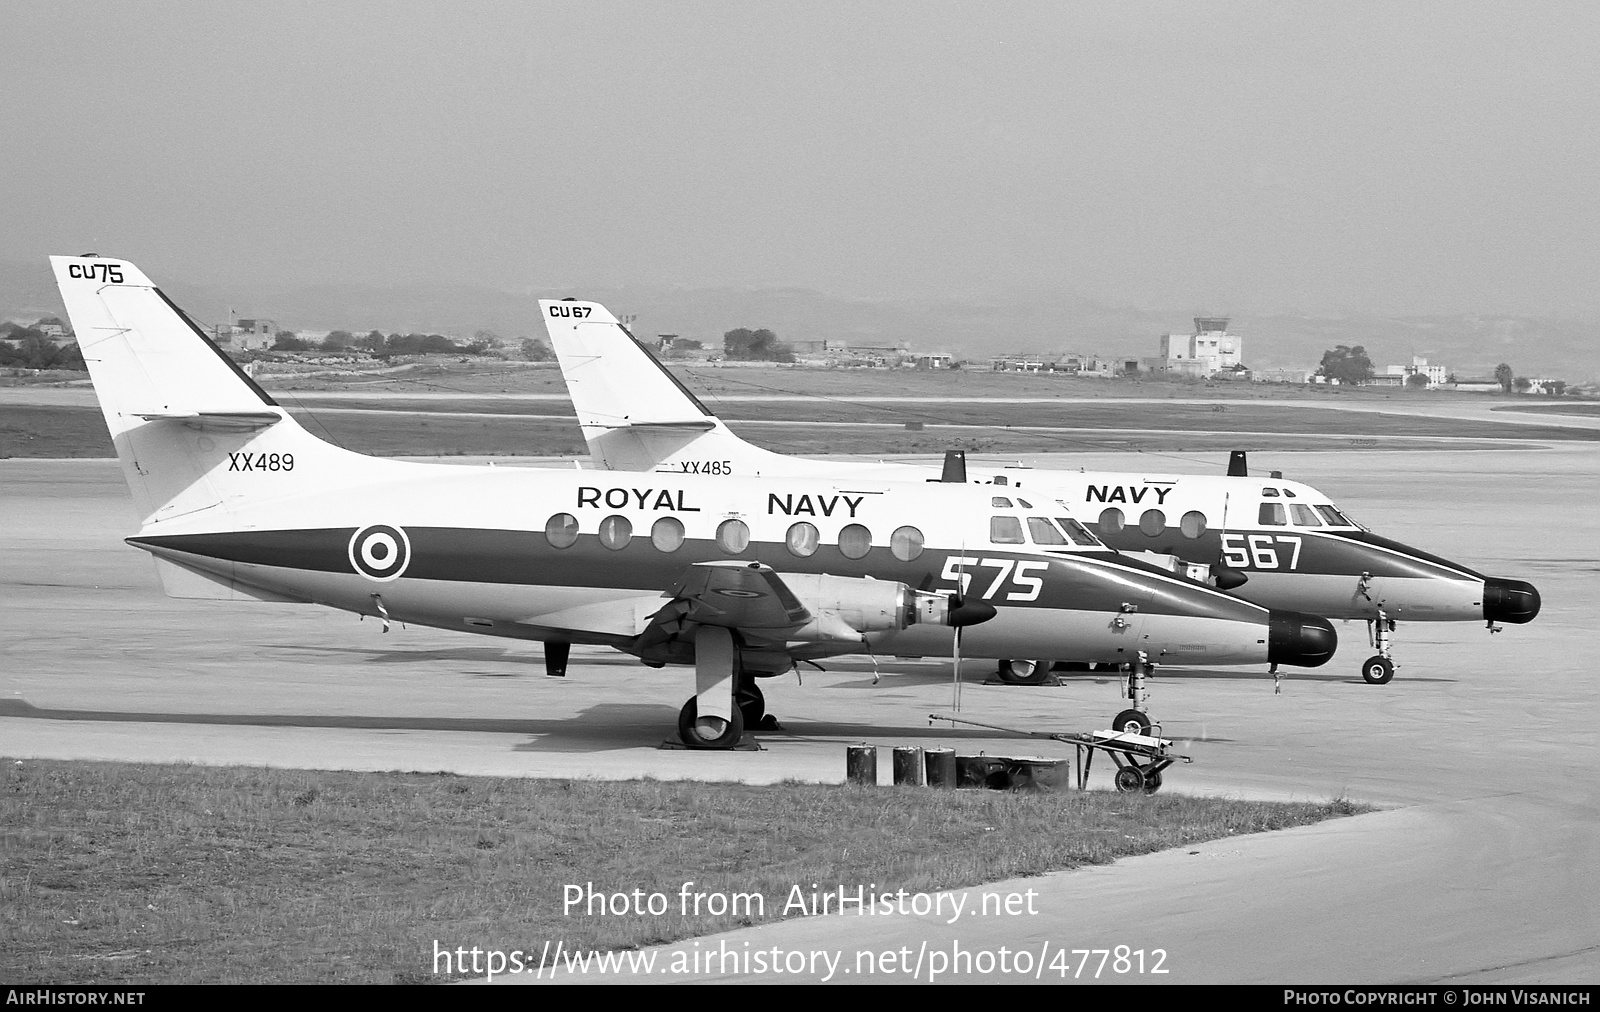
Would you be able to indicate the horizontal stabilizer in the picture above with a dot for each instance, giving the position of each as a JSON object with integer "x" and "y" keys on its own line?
{"x": 216, "y": 421}
{"x": 701, "y": 425}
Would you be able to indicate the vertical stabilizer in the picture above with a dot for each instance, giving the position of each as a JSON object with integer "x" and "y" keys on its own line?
{"x": 636, "y": 415}
{"x": 193, "y": 433}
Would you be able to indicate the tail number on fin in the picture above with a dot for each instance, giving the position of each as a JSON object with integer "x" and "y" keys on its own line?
{"x": 704, "y": 467}
{"x": 261, "y": 462}
{"x": 89, "y": 272}
{"x": 578, "y": 311}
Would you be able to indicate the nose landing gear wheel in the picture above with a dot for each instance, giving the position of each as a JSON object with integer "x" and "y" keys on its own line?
{"x": 1131, "y": 722}
{"x": 1378, "y": 669}
{"x": 708, "y": 732}
{"x": 1130, "y": 779}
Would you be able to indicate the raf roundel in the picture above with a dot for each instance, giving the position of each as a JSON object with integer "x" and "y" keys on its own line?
{"x": 380, "y": 552}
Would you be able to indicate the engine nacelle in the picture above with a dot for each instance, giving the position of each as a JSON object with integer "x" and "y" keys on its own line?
{"x": 844, "y": 608}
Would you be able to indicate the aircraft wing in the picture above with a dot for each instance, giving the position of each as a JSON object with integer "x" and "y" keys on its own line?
{"x": 747, "y": 597}
{"x": 739, "y": 595}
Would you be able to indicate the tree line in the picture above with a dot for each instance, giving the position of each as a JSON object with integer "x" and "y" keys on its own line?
{"x": 381, "y": 345}
{"x": 1351, "y": 366}
{"x": 32, "y": 348}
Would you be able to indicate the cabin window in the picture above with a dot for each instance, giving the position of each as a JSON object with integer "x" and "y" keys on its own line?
{"x": 1043, "y": 532}
{"x": 1077, "y": 532}
{"x": 906, "y": 543}
{"x": 616, "y": 532}
{"x": 1272, "y": 515}
{"x": 1193, "y": 524}
{"x": 1111, "y": 522}
{"x": 733, "y": 536}
{"x": 1153, "y": 522}
{"x": 1006, "y": 531}
{"x": 561, "y": 530}
{"x": 802, "y": 540}
{"x": 1304, "y": 516}
{"x": 667, "y": 534}
{"x": 855, "y": 541}
{"x": 1000, "y": 501}
{"x": 1334, "y": 517}
{"x": 1270, "y": 493}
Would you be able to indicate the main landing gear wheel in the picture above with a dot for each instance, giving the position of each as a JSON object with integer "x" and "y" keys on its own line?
{"x": 1378, "y": 669}
{"x": 1131, "y": 722}
{"x": 1022, "y": 672}
{"x": 1130, "y": 779}
{"x": 708, "y": 732}
{"x": 751, "y": 703}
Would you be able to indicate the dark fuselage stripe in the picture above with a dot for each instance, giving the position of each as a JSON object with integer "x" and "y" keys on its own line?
{"x": 1101, "y": 582}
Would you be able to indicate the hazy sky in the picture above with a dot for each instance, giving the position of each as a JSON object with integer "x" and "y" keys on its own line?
{"x": 1401, "y": 158}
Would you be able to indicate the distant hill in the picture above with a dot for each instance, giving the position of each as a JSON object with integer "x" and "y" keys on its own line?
{"x": 976, "y": 328}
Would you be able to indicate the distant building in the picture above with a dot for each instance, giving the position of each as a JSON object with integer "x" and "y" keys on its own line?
{"x": 247, "y": 335}
{"x": 1206, "y": 352}
{"x": 933, "y": 360}
{"x": 1016, "y": 363}
{"x": 1299, "y": 376}
{"x": 1400, "y": 375}
{"x": 1078, "y": 364}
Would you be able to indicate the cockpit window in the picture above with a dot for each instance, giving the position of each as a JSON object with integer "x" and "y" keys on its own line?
{"x": 1043, "y": 532}
{"x": 1078, "y": 533}
{"x": 1304, "y": 516}
{"x": 1272, "y": 515}
{"x": 1001, "y": 501}
{"x": 1006, "y": 531}
{"x": 1334, "y": 517}
{"x": 1270, "y": 493}
{"x": 1289, "y": 492}
{"x": 1025, "y": 504}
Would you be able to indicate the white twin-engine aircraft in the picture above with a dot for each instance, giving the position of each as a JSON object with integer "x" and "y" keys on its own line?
{"x": 1281, "y": 544}
{"x": 741, "y": 578}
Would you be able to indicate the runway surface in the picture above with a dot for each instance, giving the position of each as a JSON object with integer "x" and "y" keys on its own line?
{"x": 1482, "y": 750}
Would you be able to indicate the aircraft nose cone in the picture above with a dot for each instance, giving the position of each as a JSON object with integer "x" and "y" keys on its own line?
{"x": 1302, "y": 640}
{"x": 1515, "y": 601}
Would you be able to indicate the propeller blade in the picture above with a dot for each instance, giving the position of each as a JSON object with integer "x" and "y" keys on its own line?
{"x": 955, "y": 679}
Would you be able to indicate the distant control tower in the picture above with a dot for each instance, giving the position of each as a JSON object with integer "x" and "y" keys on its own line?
{"x": 1206, "y": 352}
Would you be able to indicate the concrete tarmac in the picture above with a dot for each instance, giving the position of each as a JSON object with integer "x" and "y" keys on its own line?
{"x": 1481, "y": 751}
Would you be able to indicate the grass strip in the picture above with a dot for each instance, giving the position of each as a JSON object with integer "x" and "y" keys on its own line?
{"x": 120, "y": 873}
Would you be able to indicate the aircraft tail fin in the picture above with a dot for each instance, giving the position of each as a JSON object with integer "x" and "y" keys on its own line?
{"x": 634, "y": 413}
{"x": 192, "y": 431}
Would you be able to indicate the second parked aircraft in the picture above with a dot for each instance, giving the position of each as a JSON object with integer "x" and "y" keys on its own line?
{"x": 1281, "y": 544}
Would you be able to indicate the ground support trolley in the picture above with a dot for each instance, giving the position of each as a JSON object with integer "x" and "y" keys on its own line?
{"x": 1139, "y": 758}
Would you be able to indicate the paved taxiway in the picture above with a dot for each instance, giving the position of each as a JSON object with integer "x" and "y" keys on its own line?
{"x": 1483, "y": 747}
